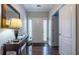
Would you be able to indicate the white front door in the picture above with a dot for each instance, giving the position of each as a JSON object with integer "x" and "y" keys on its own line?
{"x": 37, "y": 30}
{"x": 67, "y": 30}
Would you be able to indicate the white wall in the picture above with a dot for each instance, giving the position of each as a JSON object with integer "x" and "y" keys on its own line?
{"x": 8, "y": 34}
{"x": 5, "y": 36}
{"x": 37, "y": 19}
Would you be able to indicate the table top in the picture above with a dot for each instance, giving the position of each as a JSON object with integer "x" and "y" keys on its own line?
{"x": 17, "y": 42}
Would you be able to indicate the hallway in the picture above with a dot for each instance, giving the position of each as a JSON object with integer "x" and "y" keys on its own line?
{"x": 54, "y": 24}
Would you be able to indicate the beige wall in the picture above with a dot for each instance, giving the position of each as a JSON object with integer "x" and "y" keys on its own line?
{"x": 38, "y": 14}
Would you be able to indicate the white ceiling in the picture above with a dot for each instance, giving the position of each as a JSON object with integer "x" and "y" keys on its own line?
{"x": 34, "y": 8}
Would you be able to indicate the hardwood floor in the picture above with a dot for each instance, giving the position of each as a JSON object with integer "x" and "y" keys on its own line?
{"x": 42, "y": 50}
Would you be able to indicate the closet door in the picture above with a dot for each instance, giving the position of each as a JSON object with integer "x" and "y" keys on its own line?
{"x": 67, "y": 30}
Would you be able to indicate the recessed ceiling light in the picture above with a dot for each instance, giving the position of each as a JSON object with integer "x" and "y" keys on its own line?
{"x": 38, "y": 5}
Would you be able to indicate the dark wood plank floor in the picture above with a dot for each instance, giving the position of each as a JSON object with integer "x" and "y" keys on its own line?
{"x": 42, "y": 50}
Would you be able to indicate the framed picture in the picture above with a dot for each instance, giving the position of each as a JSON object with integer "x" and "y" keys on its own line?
{"x": 8, "y": 12}
{"x": 0, "y": 15}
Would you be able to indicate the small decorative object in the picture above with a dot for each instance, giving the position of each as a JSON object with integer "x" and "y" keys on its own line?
{"x": 15, "y": 40}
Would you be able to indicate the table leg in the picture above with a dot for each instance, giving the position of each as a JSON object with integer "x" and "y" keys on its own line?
{"x": 20, "y": 51}
{"x": 17, "y": 52}
{"x": 4, "y": 50}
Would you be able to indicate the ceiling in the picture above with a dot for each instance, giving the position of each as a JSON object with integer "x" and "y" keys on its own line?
{"x": 38, "y": 7}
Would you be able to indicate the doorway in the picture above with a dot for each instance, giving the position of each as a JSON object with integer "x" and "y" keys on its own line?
{"x": 37, "y": 30}
{"x": 55, "y": 31}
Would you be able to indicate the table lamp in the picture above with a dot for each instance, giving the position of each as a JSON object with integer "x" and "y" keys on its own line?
{"x": 15, "y": 23}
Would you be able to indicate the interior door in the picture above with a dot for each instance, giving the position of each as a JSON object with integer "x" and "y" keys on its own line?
{"x": 67, "y": 30}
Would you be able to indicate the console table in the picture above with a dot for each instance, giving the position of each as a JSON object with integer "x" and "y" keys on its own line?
{"x": 14, "y": 46}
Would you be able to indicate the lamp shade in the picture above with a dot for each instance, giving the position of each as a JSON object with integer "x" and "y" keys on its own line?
{"x": 15, "y": 23}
